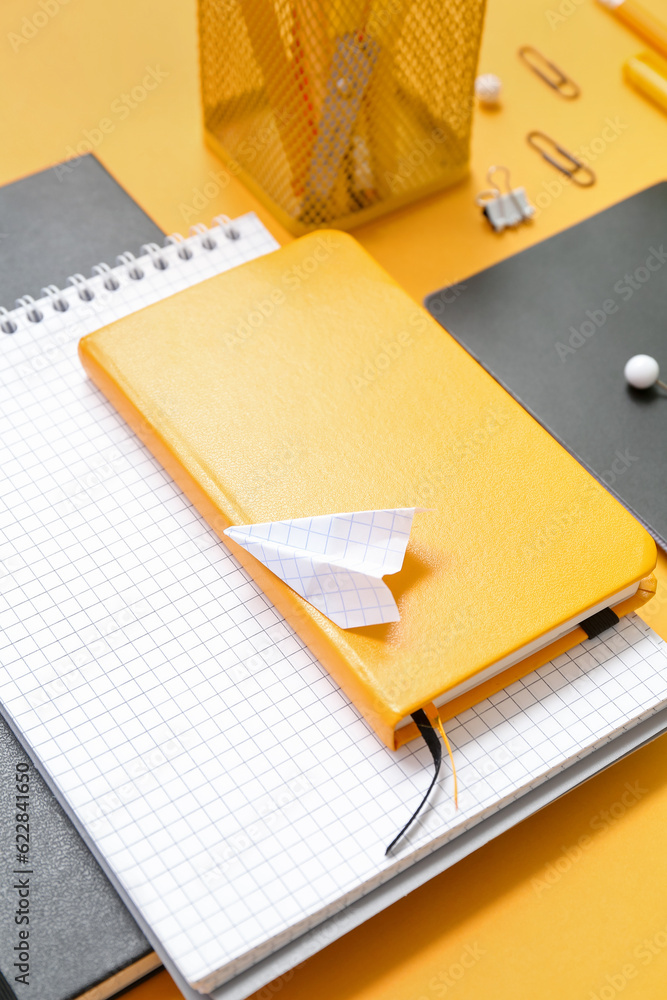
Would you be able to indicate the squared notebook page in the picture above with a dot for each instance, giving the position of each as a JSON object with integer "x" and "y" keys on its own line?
{"x": 232, "y": 789}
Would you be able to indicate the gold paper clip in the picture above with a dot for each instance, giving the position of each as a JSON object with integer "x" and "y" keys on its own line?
{"x": 549, "y": 72}
{"x": 572, "y": 167}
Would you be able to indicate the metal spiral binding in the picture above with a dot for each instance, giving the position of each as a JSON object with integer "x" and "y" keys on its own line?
{"x": 31, "y": 312}
{"x": 7, "y": 324}
{"x": 205, "y": 238}
{"x": 109, "y": 279}
{"x": 227, "y": 227}
{"x": 183, "y": 251}
{"x": 55, "y": 297}
{"x": 129, "y": 262}
{"x": 128, "y": 267}
{"x": 153, "y": 251}
{"x": 83, "y": 289}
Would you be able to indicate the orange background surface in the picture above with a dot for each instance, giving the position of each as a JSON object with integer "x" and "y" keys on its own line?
{"x": 573, "y": 902}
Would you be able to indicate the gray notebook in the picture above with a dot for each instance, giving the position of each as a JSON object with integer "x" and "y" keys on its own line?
{"x": 555, "y": 326}
{"x": 54, "y": 224}
{"x": 62, "y": 221}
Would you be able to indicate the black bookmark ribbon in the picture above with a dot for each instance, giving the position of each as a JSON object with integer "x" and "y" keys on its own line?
{"x": 432, "y": 741}
{"x": 6, "y": 992}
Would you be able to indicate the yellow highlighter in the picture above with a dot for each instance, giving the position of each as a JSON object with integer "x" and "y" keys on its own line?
{"x": 648, "y": 73}
{"x": 641, "y": 21}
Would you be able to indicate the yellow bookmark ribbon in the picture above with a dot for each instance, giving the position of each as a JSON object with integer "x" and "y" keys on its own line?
{"x": 451, "y": 760}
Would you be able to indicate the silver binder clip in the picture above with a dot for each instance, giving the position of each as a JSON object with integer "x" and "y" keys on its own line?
{"x": 502, "y": 210}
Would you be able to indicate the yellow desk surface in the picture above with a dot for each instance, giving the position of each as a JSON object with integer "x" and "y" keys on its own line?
{"x": 573, "y": 902}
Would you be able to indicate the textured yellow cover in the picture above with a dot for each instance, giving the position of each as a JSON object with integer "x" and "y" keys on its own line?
{"x": 307, "y": 382}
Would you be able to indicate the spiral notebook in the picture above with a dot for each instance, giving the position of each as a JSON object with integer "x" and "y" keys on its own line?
{"x": 229, "y": 789}
{"x": 55, "y": 223}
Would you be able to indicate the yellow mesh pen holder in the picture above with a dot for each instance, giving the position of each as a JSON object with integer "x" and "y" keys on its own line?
{"x": 335, "y": 111}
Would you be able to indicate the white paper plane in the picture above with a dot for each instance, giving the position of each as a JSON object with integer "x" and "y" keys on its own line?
{"x": 336, "y": 561}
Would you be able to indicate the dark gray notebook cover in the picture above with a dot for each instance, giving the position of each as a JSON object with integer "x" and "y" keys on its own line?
{"x": 56, "y": 223}
{"x": 555, "y": 326}
{"x": 62, "y": 221}
{"x": 80, "y": 932}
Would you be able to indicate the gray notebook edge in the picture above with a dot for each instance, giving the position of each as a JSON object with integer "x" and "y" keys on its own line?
{"x": 89, "y": 900}
{"x": 331, "y": 929}
{"x": 509, "y": 261}
{"x": 62, "y": 220}
{"x": 78, "y": 222}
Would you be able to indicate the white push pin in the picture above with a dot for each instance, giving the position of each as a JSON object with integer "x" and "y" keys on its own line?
{"x": 643, "y": 371}
{"x": 487, "y": 89}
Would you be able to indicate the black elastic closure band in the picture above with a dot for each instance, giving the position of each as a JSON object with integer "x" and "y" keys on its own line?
{"x": 599, "y": 622}
{"x": 432, "y": 741}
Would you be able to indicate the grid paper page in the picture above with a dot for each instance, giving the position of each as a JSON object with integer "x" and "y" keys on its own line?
{"x": 234, "y": 791}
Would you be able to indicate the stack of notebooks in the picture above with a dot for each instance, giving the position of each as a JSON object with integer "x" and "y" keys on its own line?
{"x": 236, "y": 762}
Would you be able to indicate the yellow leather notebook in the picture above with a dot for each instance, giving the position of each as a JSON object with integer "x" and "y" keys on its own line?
{"x": 307, "y": 382}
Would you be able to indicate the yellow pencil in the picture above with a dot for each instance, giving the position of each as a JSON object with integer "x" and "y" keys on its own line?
{"x": 648, "y": 73}
{"x": 642, "y": 22}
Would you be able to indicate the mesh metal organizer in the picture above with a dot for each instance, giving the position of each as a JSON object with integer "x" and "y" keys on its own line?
{"x": 335, "y": 111}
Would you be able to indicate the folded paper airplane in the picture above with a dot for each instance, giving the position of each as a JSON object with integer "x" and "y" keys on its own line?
{"x": 336, "y": 561}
